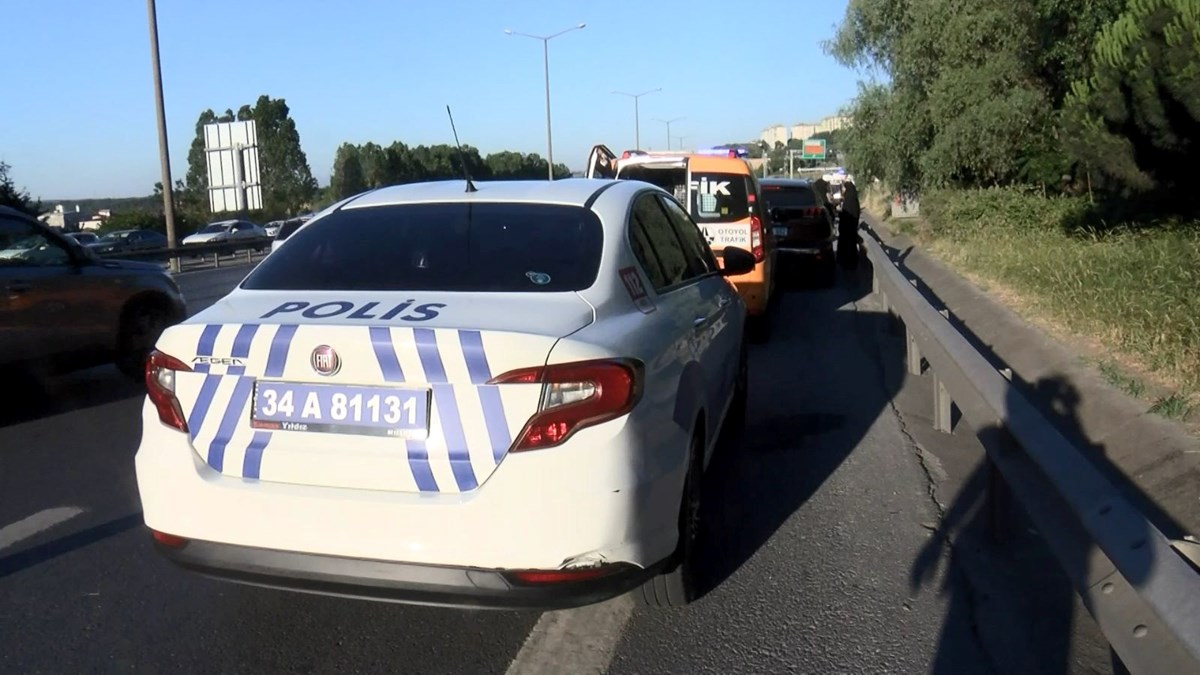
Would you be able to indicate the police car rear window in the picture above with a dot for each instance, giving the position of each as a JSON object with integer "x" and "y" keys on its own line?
{"x": 482, "y": 247}
{"x": 718, "y": 197}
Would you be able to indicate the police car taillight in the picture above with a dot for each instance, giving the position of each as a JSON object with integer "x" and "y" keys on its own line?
{"x": 574, "y": 396}
{"x": 160, "y": 387}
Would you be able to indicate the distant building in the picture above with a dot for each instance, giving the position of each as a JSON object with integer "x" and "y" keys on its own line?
{"x": 802, "y": 130}
{"x": 63, "y": 219}
{"x": 96, "y": 220}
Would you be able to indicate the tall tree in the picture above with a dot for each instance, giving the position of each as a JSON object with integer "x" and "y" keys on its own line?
{"x": 13, "y": 197}
{"x": 287, "y": 180}
{"x": 1137, "y": 118}
{"x": 347, "y": 178}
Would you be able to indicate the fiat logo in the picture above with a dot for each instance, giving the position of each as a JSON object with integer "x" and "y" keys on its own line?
{"x": 326, "y": 361}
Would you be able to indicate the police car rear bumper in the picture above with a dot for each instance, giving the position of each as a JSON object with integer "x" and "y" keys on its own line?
{"x": 407, "y": 583}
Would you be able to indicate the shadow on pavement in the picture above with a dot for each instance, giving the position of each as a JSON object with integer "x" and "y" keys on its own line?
{"x": 27, "y": 397}
{"x": 991, "y": 530}
{"x": 13, "y": 563}
{"x": 814, "y": 393}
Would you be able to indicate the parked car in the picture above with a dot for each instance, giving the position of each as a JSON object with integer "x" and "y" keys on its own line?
{"x": 721, "y": 193}
{"x": 225, "y": 231}
{"x": 286, "y": 229}
{"x": 129, "y": 241}
{"x": 500, "y": 398}
{"x": 802, "y": 223}
{"x": 84, "y": 238}
{"x": 65, "y": 308}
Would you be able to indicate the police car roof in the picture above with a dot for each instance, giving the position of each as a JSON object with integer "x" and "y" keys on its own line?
{"x": 571, "y": 191}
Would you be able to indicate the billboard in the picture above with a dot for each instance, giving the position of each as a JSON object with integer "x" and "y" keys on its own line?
{"x": 231, "y": 156}
{"x": 813, "y": 148}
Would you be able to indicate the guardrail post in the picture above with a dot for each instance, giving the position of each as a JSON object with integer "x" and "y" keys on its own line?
{"x": 217, "y": 259}
{"x": 249, "y": 255}
{"x": 943, "y": 407}
{"x": 914, "y": 353}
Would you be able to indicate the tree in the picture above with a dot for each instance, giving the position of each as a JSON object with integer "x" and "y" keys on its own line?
{"x": 134, "y": 220}
{"x": 287, "y": 181}
{"x": 15, "y": 198}
{"x": 347, "y": 178}
{"x": 1137, "y": 117}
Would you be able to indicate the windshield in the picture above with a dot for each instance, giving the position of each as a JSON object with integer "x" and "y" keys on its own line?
{"x": 448, "y": 247}
{"x": 288, "y": 227}
{"x": 719, "y": 197}
{"x": 788, "y": 197}
{"x": 214, "y": 228}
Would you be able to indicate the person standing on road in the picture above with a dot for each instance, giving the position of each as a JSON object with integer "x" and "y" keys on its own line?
{"x": 847, "y": 247}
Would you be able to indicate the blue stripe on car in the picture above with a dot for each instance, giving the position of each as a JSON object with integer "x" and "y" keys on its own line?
{"x": 489, "y": 394}
{"x": 280, "y": 345}
{"x": 447, "y": 407}
{"x": 216, "y": 450}
{"x": 208, "y": 338}
{"x": 252, "y": 464}
{"x": 389, "y": 365}
{"x": 385, "y": 353}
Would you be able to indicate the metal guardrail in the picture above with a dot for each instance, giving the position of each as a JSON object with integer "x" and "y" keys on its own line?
{"x": 1137, "y": 583}
{"x": 208, "y": 252}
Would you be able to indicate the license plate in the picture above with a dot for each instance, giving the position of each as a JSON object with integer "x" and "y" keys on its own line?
{"x": 341, "y": 409}
{"x": 779, "y": 231}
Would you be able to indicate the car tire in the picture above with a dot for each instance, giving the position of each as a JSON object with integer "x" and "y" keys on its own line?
{"x": 141, "y": 324}
{"x": 676, "y": 586}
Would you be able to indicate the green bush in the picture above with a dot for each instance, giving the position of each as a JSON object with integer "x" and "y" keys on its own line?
{"x": 1132, "y": 288}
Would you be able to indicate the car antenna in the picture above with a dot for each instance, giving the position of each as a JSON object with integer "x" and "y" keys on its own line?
{"x": 461, "y": 155}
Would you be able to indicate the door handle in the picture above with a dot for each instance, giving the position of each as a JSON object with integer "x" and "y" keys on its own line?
{"x": 699, "y": 321}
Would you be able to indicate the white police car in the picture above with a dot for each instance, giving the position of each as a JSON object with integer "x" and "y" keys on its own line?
{"x": 498, "y": 398}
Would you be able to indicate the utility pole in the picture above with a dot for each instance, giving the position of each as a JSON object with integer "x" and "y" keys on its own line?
{"x": 546, "y": 67}
{"x": 163, "y": 150}
{"x": 668, "y": 123}
{"x": 637, "y": 118}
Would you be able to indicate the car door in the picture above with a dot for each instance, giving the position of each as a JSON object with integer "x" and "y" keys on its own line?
{"x": 602, "y": 163}
{"x": 44, "y": 309}
{"x": 718, "y": 338}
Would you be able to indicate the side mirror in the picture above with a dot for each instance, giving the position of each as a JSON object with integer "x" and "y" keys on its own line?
{"x": 736, "y": 261}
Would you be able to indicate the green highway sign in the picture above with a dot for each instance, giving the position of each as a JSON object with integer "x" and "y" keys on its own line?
{"x": 814, "y": 148}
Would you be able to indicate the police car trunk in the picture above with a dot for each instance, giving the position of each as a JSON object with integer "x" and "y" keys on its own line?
{"x": 321, "y": 372}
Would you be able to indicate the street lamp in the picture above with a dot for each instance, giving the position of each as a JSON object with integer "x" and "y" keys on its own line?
{"x": 546, "y": 63}
{"x": 163, "y": 153}
{"x": 680, "y": 139}
{"x": 637, "y": 120}
{"x": 668, "y": 123}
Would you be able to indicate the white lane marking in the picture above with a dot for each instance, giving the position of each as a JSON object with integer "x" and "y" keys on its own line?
{"x": 38, "y": 522}
{"x": 574, "y": 640}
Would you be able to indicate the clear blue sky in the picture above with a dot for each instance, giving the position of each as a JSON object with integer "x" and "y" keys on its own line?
{"x": 78, "y": 118}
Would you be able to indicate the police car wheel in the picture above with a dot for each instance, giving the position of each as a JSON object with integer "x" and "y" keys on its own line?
{"x": 676, "y": 586}
{"x": 141, "y": 325}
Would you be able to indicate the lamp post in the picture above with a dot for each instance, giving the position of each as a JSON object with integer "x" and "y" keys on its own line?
{"x": 668, "y": 123}
{"x": 637, "y": 120}
{"x": 163, "y": 152}
{"x": 680, "y": 139}
{"x": 546, "y": 65}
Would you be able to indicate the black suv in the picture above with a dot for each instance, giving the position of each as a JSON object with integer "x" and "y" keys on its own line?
{"x": 63, "y": 308}
{"x": 802, "y": 223}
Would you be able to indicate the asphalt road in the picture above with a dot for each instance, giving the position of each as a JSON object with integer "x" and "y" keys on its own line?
{"x": 814, "y": 526}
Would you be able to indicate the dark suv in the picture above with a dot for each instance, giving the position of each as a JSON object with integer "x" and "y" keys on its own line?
{"x": 63, "y": 308}
{"x": 802, "y": 223}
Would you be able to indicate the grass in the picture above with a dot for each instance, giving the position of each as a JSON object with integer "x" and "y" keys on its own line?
{"x": 1134, "y": 289}
{"x": 1117, "y": 379}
